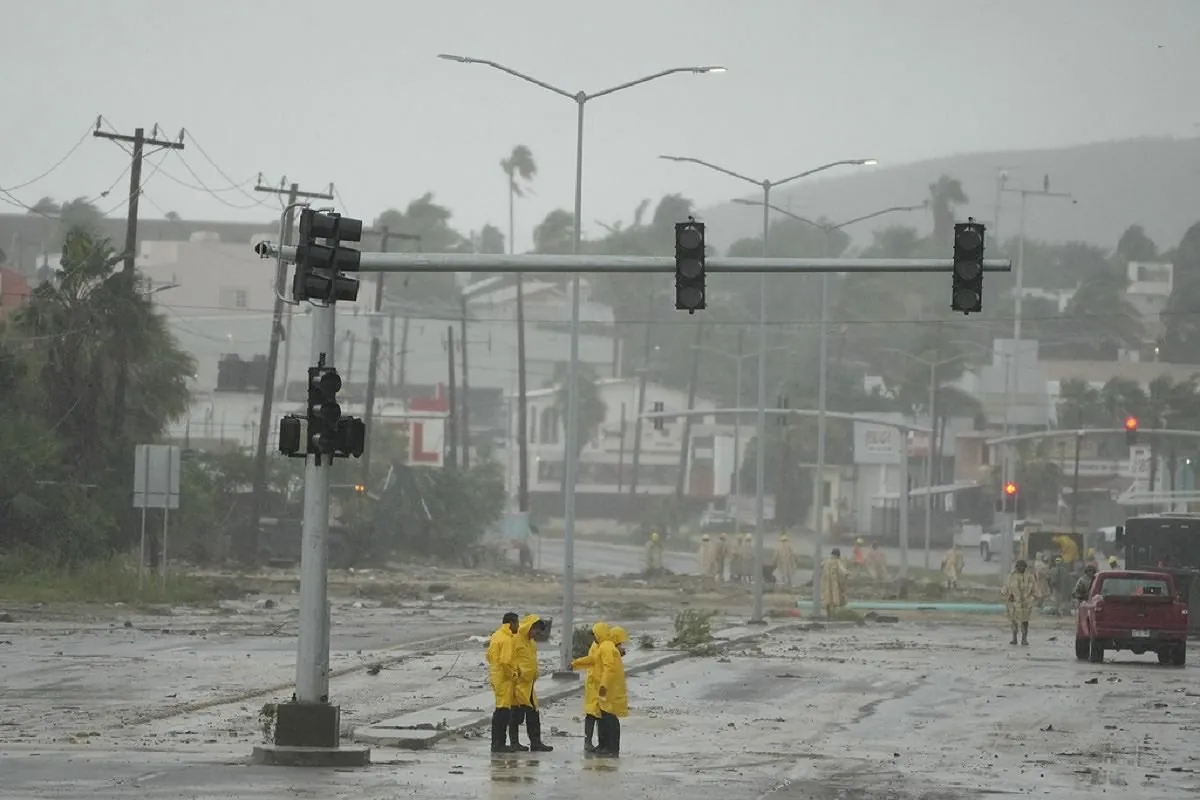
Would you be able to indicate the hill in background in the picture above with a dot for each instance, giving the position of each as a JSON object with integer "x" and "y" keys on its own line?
{"x": 1152, "y": 182}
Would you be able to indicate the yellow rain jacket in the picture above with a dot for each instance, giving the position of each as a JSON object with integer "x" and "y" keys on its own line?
{"x": 614, "y": 700}
{"x": 591, "y": 683}
{"x": 501, "y": 670}
{"x": 525, "y": 658}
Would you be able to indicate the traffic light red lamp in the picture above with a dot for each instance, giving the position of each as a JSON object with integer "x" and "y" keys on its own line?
{"x": 1131, "y": 429}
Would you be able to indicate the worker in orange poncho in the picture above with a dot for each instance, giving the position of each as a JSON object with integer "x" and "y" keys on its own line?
{"x": 525, "y": 708}
{"x": 591, "y": 684}
{"x": 613, "y": 700}
{"x": 502, "y": 675}
{"x": 858, "y": 556}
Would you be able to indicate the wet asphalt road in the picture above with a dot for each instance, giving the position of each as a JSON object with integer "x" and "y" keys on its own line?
{"x": 905, "y": 711}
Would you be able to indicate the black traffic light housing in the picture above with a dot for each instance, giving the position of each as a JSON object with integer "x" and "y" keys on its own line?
{"x": 689, "y": 266}
{"x": 660, "y": 423}
{"x": 1131, "y": 429}
{"x": 782, "y": 419}
{"x": 324, "y": 413}
{"x": 1009, "y": 497}
{"x": 967, "y": 295}
{"x": 319, "y": 266}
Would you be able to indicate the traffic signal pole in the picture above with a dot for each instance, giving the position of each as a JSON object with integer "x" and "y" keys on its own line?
{"x": 312, "y": 665}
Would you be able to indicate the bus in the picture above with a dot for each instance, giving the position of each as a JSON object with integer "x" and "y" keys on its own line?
{"x": 1170, "y": 543}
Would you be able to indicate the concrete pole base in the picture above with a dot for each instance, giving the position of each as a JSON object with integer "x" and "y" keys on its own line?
{"x": 285, "y": 756}
{"x": 565, "y": 675}
{"x": 756, "y": 622}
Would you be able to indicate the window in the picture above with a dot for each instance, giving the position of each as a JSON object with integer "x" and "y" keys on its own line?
{"x": 233, "y": 297}
{"x": 1133, "y": 587}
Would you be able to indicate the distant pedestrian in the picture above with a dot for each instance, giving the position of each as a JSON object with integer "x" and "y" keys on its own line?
{"x": 953, "y": 564}
{"x": 654, "y": 555}
{"x": 1020, "y": 594}
{"x": 833, "y": 583}
{"x": 877, "y": 563}
{"x": 784, "y": 562}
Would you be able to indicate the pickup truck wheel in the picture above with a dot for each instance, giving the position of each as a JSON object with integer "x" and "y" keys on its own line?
{"x": 985, "y": 552}
{"x": 1165, "y": 655}
{"x": 1082, "y": 645}
{"x": 1179, "y": 655}
{"x": 1095, "y": 651}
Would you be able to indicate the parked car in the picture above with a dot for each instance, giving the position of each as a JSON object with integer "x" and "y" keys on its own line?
{"x": 1133, "y": 610}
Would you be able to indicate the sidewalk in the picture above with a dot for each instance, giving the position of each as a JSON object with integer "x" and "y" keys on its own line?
{"x": 420, "y": 730}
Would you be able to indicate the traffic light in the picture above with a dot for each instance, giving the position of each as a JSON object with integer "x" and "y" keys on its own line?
{"x": 660, "y": 423}
{"x": 1011, "y": 497}
{"x": 290, "y": 437}
{"x": 782, "y": 419}
{"x": 967, "y": 294}
{"x": 319, "y": 267}
{"x": 1131, "y": 428}
{"x": 324, "y": 413}
{"x": 689, "y": 266}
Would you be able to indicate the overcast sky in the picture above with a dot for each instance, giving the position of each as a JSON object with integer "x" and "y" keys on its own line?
{"x": 272, "y": 86}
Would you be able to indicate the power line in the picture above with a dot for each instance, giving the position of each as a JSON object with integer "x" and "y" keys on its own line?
{"x": 55, "y": 165}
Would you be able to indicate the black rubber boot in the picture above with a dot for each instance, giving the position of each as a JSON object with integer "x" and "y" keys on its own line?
{"x": 500, "y": 730}
{"x": 589, "y": 728}
{"x": 514, "y": 730}
{"x": 533, "y": 724}
{"x": 1014, "y": 631}
{"x": 610, "y": 736}
{"x": 1025, "y": 634}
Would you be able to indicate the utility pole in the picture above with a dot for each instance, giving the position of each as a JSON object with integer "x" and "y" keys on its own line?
{"x": 385, "y": 236}
{"x": 1075, "y": 480}
{"x": 265, "y": 424}
{"x": 685, "y": 445}
{"x": 139, "y": 142}
{"x": 466, "y": 386}
{"x": 451, "y": 432}
{"x": 641, "y": 402}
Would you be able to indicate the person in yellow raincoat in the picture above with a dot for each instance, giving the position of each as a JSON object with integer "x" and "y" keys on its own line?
{"x": 502, "y": 673}
{"x": 876, "y": 563}
{"x": 612, "y": 698}
{"x": 953, "y": 565}
{"x": 705, "y": 556}
{"x": 720, "y": 553}
{"x": 654, "y": 555}
{"x": 524, "y": 704}
{"x": 591, "y": 684}
{"x": 1020, "y": 594}
{"x": 833, "y": 583}
{"x": 785, "y": 562}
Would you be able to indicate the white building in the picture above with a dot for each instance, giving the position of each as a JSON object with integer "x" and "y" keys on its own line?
{"x": 606, "y": 460}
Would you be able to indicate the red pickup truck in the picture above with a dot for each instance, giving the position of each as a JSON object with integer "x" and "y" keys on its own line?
{"x": 1132, "y": 610}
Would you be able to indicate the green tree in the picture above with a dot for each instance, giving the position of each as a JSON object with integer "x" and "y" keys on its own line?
{"x": 554, "y": 234}
{"x": 945, "y": 196}
{"x": 520, "y": 169}
{"x": 490, "y": 240}
{"x": 431, "y": 222}
{"x": 1182, "y": 341}
{"x": 591, "y": 406}
{"x": 1135, "y": 245}
{"x": 1100, "y": 317}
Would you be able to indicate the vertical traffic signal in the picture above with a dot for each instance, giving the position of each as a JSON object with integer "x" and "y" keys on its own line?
{"x": 689, "y": 266}
{"x": 1131, "y": 429}
{"x": 967, "y": 294}
{"x": 660, "y": 423}
{"x": 782, "y": 403}
{"x": 1010, "y": 497}
{"x": 324, "y": 413}
{"x": 319, "y": 267}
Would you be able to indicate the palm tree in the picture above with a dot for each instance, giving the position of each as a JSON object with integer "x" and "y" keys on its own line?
{"x": 944, "y": 195}
{"x": 520, "y": 168}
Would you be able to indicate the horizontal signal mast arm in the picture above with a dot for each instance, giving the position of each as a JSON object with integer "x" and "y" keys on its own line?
{"x": 475, "y": 262}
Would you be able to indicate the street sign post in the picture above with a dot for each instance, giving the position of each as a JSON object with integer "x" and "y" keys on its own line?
{"x": 156, "y": 470}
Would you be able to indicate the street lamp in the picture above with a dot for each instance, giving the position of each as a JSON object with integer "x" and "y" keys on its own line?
{"x": 570, "y": 455}
{"x": 823, "y": 371}
{"x": 933, "y": 368}
{"x": 1013, "y": 378}
{"x": 737, "y": 358}
{"x": 761, "y": 424}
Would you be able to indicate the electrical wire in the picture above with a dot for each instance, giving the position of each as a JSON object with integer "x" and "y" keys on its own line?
{"x": 204, "y": 154}
{"x": 17, "y": 187}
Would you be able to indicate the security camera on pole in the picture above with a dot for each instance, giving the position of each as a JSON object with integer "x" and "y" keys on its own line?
{"x": 308, "y": 729}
